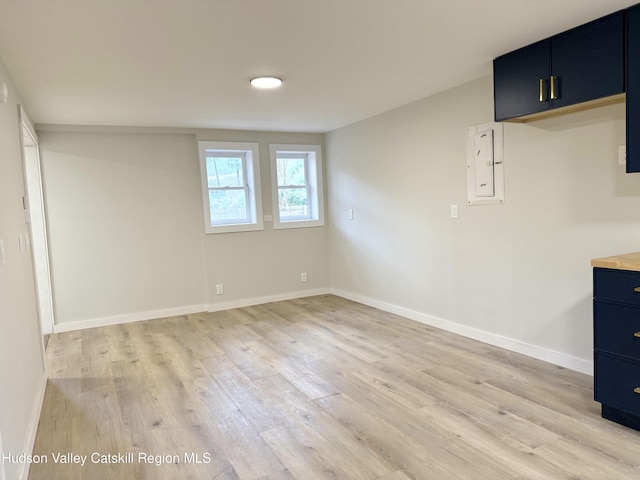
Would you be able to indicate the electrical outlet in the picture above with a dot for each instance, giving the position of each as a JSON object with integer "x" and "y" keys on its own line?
{"x": 303, "y": 277}
{"x": 219, "y": 289}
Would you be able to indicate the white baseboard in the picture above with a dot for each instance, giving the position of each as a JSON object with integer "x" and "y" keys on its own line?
{"x": 170, "y": 312}
{"x": 248, "y": 302}
{"x": 535, "y": 351}
{"x": 23, "y": 471}
{"x": 127, "y": 318}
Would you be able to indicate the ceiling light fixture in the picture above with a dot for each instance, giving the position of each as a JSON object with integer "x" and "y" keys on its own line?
{"x": 266, "y": 82}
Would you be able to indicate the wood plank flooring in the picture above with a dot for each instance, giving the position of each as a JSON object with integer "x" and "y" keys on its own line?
{"x": 316, "y": 388}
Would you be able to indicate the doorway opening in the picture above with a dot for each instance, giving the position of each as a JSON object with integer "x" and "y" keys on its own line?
{"x": 34, "y": 213}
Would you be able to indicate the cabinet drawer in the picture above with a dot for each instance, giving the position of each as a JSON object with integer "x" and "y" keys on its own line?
{"x": 616, "y": 285}
{"x": 617, "y": 328}
{"x": 615, "y": 381}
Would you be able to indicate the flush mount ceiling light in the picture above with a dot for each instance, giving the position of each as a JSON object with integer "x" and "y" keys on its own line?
{"x": 266, "y": 82}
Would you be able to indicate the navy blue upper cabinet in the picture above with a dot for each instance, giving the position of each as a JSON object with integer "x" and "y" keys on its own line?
{"x": 633, "y": 89}
{"x": 580, "y": 65}
{"x": 519, "y": 81}
{"x": 588, "y": 62}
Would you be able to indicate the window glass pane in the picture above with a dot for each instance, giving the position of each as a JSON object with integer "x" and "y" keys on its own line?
{"x": 293, "y": 202}
{"x": 227, "y": 206}
{"x": 291, "y": 171}
{"x": 224, "y": 172}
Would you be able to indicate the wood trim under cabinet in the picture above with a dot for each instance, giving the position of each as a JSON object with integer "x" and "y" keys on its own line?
{"x": 556, "y": 112}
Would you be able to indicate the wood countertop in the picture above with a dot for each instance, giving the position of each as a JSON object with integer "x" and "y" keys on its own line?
{"x": 628, "y": 261}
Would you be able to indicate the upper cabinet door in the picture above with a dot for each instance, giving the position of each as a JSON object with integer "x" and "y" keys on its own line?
{"x": 633, "y": 89}
{"x": 587, "y": 63}
{"x": 521, "y": 81}
{"x": 581, "y": 65}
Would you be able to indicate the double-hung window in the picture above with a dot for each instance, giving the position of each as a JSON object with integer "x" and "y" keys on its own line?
{"x": 296, "y": 172}
{"x": 230, "y": 186}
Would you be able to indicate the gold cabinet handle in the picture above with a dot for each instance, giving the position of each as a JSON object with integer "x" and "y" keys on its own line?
{"x": 636, "y": 390}
{"x": 637, "y": 334}
{"x": 553, "y": 88}
{"x": 542, "y": 95}
{"x": 637, "y": 289}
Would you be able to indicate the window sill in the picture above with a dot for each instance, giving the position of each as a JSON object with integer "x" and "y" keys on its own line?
{"x": 232, "y": 228}
{"x": 297, "y": 224}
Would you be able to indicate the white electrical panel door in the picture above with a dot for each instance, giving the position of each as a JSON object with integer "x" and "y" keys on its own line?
{"x": 485, "y": 174}
{"x": 483, "y": 148}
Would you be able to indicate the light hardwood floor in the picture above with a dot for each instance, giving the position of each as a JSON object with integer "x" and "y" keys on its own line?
{"x": 318, "y": 388}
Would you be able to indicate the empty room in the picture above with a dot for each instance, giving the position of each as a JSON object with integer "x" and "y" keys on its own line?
{"x": 319, "y": 239}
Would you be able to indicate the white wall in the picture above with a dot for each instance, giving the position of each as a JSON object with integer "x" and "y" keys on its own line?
{"x": 126, "y": 230}
{"x": 124, "y": 225}
{"x": 517, "y": 275}
{"x": 22, "y": 374}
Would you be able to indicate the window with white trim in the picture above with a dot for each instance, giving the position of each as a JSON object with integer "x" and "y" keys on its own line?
{"x": 230, "y": 186}
{"x": 296, "y": 175}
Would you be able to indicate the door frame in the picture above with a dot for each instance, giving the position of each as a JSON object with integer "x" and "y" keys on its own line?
{"x": 35, "y": 215}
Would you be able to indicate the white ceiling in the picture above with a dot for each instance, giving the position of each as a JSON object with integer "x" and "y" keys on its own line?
{"x": 187, "y": 63}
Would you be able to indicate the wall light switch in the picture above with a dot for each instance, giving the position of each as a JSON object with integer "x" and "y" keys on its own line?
{"x": 454, "y": 211}
{"x": 268, "y": 218}
{"x": 350, "y": 213}
{"x": 21, "y": 242}
{"x": 622, "y": 155}
{"x": 3, "y": 258}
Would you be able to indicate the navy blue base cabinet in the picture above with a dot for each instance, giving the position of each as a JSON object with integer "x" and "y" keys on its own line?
{"x": 616, "y": 327}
